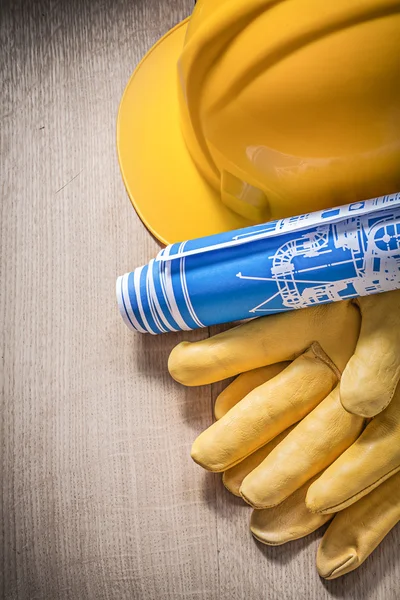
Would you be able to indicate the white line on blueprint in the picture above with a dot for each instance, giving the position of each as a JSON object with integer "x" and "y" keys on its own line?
{"x": 266, "y": 301}
{"x": 343, "y": 262}
{"x": 273, "y": 310}
{"x": 371, "y": 240}
{"x": 274, "y": 279}
{"x": 298, "y": 224}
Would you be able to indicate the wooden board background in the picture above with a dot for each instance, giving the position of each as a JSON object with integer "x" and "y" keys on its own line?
{"x": 100, "y": 499}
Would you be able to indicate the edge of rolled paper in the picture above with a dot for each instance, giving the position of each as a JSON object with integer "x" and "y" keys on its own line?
{"x": 152, "y": 307}
{"x": 125, "y": 306}
{"x": 121, "y": 304}
{"x": 169, "y": 307}
{"x": 292, "y": 224}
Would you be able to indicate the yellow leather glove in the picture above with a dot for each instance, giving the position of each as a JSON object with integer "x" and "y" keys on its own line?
{"x": 311, "y": 446}
{"x": 354, "y": 533}
{"x": 324, "y": 440}
{"x": 351, "y": 537}
{"x": 373, "y": 372}
{"x": 320, "y": 342}
{"x": 374, "y": 366}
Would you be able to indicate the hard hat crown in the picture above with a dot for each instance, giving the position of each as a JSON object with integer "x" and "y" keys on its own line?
{"x": 289, "y": 103}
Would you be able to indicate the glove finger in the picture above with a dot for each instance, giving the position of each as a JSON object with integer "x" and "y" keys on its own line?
{"x": 372, "y": 459}
{"x": 265, "y": 341}
{"x": 355, "y": 532}
{"x": 264, "y": 413}
{"x": 375, "y": 366}
{"x": 289, "y": 521}
{"x": 233, "y": 478}
{"x": 243, "y": 385}
{"x": 313, "y": 444}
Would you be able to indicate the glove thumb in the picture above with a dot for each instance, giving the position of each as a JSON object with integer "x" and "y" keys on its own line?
{"x": 371, "y": 376}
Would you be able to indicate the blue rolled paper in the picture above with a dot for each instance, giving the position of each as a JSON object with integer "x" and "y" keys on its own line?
{"x": 292, "y": 263}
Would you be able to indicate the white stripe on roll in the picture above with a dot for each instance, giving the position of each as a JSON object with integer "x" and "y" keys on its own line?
{"x": 128, "y": 304}
{"x": 136, "y": 282}
{"x": 165, "y": 273}
{"x": 121, "y": 305}
{"x": 151, "y": 302}
{"x": 186, "y": 294}
{"x": 154, "y": 298}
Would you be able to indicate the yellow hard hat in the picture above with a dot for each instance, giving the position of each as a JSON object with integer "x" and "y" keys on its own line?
{"x": 258, "y": 109}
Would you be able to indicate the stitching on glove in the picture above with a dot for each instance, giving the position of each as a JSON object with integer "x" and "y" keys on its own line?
{"x": 227, "y": 488}
{"x": 358, "y": 302}
{"x": 391, "y": 394}
{"x": 239, "y": 460}
{"x": 271, "y": 543}
{"x": 262, "y": 506}
{"x": 292, "y": 539}
{"x": 359, "y": 494}
{"x": 338, "y": 567}
{"x": 321, "y": 355}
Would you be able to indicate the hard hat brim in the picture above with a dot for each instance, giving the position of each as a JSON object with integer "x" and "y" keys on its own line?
{"x": 167, "y": 191}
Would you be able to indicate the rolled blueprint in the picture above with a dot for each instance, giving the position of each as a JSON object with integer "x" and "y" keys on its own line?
{"x": 292, "y": 263}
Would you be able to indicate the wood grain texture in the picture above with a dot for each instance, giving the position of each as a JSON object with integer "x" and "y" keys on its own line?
{"x": 100, "y": 499}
